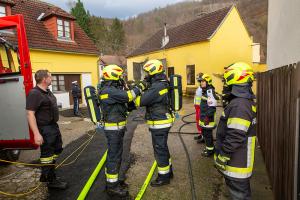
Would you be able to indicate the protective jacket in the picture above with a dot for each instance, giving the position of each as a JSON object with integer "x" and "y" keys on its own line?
{"x": 76, "y": 92}
{"x": 208, "y": 108}
{"x": 236, "y": 137}
{"x": 156, "y": 100}
{"x": 113, "y": 104}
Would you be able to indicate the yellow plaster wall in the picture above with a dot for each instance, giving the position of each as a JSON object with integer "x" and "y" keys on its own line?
{"x": 65, "y": 63}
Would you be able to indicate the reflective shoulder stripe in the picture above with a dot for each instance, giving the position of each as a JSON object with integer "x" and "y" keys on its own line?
{"x": 238, "y": 123}
{"x": 137, "y": 101}
{"x": 254, "y": 108}
{"x": 164, "y": 91}
{"x": 130, "y": 96}
{"x": 91, "y": 105}
{"x": 104, "y": 96}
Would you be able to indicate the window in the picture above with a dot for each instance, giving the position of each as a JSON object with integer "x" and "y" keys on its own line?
{"x": 190, "y": 74}
{"x": 63, "y": 29}
{"x": 170, "y": 71}
{"x": 2, "y": 11}
{"x": 58, "y": 83}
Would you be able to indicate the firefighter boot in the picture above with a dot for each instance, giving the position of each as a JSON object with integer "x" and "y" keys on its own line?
{"x": 197, "y": 137}
{"x": 161, "y": 180}
{"x": 57, "y": 184}
{"x": 207, "y": 153}
{"x": 116, "y": 189}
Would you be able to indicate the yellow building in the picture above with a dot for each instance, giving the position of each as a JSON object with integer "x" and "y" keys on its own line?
{"x": 207, "y": 45}
{"x": 58, "y": 44}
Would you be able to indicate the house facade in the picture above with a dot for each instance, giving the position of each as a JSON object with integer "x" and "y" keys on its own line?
{"x": 207, "y": 45}
{"x": 58, "y": 44}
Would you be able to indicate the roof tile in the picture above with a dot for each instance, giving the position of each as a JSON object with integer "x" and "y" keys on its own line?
{"x": 194, "y": 31}
{"x": 41, "y": 38}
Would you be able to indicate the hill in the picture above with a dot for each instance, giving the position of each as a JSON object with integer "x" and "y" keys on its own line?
{"x": 140, "y": 28}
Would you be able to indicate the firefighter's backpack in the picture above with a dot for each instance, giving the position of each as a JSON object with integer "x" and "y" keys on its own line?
{"x": 175, "y": 92}
{"x": 92, "y": 103}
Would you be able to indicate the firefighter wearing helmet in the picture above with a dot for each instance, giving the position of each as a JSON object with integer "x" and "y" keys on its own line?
{"x": 207, "y": 120}
{"x": 235, "y": 144}
{"x": 113, "y": 103}
{"x": 159, "y": 118}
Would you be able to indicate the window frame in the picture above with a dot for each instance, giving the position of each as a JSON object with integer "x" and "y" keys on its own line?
{"x": 193, "y": 76}
{"x": 64, "y": 27}
{"x": 56, "y": 83}
{"x": 5, "y": 11}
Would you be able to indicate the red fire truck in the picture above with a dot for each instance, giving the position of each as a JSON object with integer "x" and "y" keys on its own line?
{"x": 15, "y": 83}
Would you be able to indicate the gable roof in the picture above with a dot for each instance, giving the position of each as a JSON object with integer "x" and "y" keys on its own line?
{"x": 198, "y": 30}
{"x": 39, "y": 37}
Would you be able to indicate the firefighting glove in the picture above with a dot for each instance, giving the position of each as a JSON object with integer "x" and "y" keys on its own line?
{"x": 206, "y": 121}
{"x": 221, "y": 162}
{"x": 143, "y": 85}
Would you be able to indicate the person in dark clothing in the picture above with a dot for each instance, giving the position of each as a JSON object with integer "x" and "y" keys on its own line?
{"x": 235, "y": 146}
{"x": 159, "y": 118}
{"x": 42, "y": 115}
{"x": 114, "y": 101}
{"x": 208, "y": 113}
{"x": 76, "y": 93}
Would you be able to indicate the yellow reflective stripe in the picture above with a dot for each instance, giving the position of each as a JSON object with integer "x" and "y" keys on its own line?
{"x": 115, "y": 124}
{"x": 239, "y": 170}
{"x": 166, "y": 121}
{"x": 210, "y": 124}
{"x": 129, "y": 94}
{"x": 91, "y": 105}
{"x": 166, "y": 168}
{"x": 55, "y": 156}
{"x": 209, "y": 148}
{"x": 176, "y": 94}
{"x": 137, "y": 101}
{"x": 111, "y": 176}
{"x": 164, "y": 91}
{"x": 47, "y": 159}
{"x": 104, "y": 96}
{"x": 223, "y": 114}
{"x": 253, "y": 140}
{"x": 238, "y": 123}
{"x": 254, "y": 109}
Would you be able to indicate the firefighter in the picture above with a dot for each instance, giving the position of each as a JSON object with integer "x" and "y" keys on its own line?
{"x": 113, "y": 104}
{"x": 42, "y": 115}
{"x": 159, "y": 118}
{"x": 235, "y": 144}
{"x": 197, "y": 99}
{"x": 76, "y": 93}
{"x": 208, "y": 113}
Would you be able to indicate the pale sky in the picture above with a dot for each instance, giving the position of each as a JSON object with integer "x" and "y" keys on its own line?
{"x": 116, "y": 8}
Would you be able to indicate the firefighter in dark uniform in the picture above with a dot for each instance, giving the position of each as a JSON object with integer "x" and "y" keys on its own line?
{"x": 76, "y": 93}
{"x": 42, "y": 115}
{"x": 159, "y": 118}
{"x": 208, "y": 113}
{"x": 236, "y": 133}
{"x": 113, "y": 103}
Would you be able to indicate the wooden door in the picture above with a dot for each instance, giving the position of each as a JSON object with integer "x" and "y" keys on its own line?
{"x": 69, "y": 78}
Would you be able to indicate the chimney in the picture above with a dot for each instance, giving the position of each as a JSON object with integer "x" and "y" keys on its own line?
{"x": 165, "y": 39}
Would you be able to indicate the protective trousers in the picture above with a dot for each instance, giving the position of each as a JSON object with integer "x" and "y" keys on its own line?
{"x": 161, "y": 150}
{"x": 239, "y": 189}
{"x": 50, "y": 150}
{"x": 114, "y": 155}
{"x": 76, "y": 106}
{"x": 208, "y": 137}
